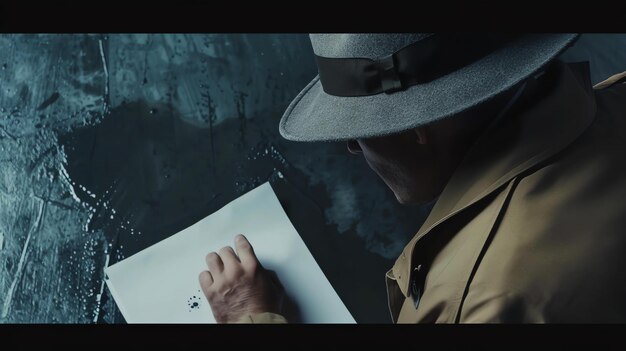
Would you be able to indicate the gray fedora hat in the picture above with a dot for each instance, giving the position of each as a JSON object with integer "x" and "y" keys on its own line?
{"x": 372, "y": 85}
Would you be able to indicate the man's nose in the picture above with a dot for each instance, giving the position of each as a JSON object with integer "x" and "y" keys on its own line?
{"x": 354, "y": 147}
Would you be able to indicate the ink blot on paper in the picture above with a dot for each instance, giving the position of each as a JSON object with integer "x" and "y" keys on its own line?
{"x": 193, "y": 303}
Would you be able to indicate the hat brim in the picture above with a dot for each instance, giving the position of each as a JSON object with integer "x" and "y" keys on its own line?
{"x": 316, "y": 116}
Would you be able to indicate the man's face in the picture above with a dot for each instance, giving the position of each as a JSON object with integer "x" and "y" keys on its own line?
{"x": 408, "y": 166}
{"x": 417, "y": 164}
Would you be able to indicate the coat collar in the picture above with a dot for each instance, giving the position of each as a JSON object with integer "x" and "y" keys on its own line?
{"x": 521, "y": 140}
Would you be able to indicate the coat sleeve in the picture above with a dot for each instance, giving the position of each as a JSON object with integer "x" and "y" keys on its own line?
{"x": 262, "y": 318}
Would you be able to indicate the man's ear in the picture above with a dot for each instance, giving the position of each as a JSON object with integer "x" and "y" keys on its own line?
{"x": 420, "y": 133}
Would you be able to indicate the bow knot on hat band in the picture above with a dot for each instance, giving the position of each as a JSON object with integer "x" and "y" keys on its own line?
{"x": 389, "y": 79}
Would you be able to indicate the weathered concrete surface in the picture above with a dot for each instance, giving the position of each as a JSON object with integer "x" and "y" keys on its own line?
{"x": 109, "y": 144}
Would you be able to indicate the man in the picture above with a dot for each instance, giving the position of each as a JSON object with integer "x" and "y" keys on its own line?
{"x": 523, "y": 156}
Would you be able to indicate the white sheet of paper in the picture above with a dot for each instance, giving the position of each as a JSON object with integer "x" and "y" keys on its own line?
{"x": 160, "y": 284}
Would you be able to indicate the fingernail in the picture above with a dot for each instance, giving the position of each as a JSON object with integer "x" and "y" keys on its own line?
{"x": 239, "y": 237}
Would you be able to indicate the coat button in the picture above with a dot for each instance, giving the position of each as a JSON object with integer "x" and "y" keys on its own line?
{"x": 416, "y": 288}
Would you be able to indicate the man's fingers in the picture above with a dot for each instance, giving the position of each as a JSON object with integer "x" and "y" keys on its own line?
{"x": 229, "y": 257}
{"x": 245, "y": 251}
{"x": 206, "y": 280}
{"x": 214, "y": 262}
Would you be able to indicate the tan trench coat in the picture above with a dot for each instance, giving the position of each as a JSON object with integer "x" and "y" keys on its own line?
{"x": 531, "y": 228}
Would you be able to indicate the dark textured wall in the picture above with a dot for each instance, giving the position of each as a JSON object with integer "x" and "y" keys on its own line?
{"x": 109, "y": 144}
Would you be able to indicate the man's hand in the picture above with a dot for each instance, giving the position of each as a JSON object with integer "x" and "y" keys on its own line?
{"x": 237, "y": 285}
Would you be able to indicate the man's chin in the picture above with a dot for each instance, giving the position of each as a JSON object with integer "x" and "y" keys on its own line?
{"x": 408, "y": 199}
